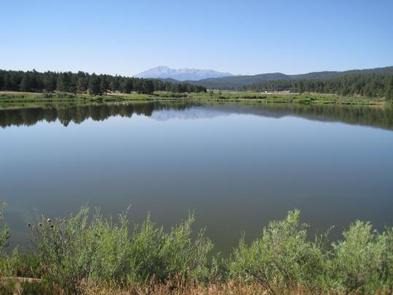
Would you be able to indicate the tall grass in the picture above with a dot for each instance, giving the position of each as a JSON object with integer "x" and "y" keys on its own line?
{"x": 88, "y": 253}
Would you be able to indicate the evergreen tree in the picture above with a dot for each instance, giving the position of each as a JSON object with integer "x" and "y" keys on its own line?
{"x": 25, "y": 83}
{"x": 1, "y": 80}
{"x": 60, "y": 85}
{"x": 82, "y": 82}
{"x": 389, "y": 90}
{"x": 128, "y": 86}
{"x": 148, "y": 87}
{"x": 104, "y": 84}
{"x": 115, "y": 84}
{"x": 49, "y": 82}
{"x": 94, "y": 85}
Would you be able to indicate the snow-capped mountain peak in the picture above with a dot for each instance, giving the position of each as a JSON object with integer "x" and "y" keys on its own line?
{"x": 163, "y": 72}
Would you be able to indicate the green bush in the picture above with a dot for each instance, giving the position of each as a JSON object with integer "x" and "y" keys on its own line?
{"x": 360, "y": 262}
{"x": 64, "y": 248}
{"x": 85, "y": 247}
{"x": 75, "y": 249}
{"x": 168, "y": 255}
{"x": 281, "y": 258}
{"x": 4, "y": 231}
{"x": 5, "y": 265}
{"x": 387, "y": 260}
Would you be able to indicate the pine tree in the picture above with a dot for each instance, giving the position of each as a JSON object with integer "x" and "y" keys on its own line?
{"x": 2, "y": 80}
{"x": 148, "y": 87}
{"x": 94, "y": 85}
{"x": 389, "y": 90}
{"x": 25, "y": 83}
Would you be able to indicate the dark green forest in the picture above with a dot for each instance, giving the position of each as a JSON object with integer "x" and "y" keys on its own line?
{"x": 81, "y": 82}
{"x": 376, "y": 82}
{"x": 370, "y": 85}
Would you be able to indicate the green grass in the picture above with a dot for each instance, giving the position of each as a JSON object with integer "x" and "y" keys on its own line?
{"x": 89, "y": 248}
{"x": 286, "y": 98}
{"x": 16, "y": 100}
{"x": 28, "y": 99}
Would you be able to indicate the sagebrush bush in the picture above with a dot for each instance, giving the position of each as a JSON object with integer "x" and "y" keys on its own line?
{"x": 75, "y": 249}
{"x": 169, "y": 255}
{"x": 65, "y": 249}
{"x": 5, "y": 265}
{"x": 89, "y": 250}
{"x": 281, "y": 258}
{"x": 358, "y": 262}
{"x": 387, "y": 260}
{"x": 4, "y": 231}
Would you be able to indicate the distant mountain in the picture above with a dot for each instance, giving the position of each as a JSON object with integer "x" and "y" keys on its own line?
{"x": 237, "y": 82}
{"x": 181, "y": 74}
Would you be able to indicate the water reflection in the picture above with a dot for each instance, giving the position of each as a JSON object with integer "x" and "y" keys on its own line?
{"x": 376, "y": 117}
{"x": 235, "y": 166}
{"x": 77, "y": 113}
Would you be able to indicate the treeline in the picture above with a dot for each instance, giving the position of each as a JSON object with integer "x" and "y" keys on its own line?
{"x": 370, "y": 85}
{"x": 81, "y": 82}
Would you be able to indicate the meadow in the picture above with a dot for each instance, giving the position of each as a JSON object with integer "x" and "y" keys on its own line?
{"x": 11, "y": 100}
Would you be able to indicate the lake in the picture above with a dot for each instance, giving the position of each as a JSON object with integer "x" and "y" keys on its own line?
{"x": 236, "y": 167}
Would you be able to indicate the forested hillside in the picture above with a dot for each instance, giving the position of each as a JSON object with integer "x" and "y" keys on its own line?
{"x": 82, "y": 82}
{"x": 376, "y": 82}
{"x": 363, "y": 84}
{"x": 237, "y": 82}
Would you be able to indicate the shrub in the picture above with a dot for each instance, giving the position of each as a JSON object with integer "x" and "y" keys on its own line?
{"x": 4, "y": 236}
{"x": 65, "y": 248}
{"x": 86, "y": 249}
{"x": 387, "y": 260}
{"x": 80, "y": 248}
{"x": 4, "y": 231}
{"x": 281, "y": 258}
{"x": 358, "y": 259}
{"x": 157, "y": 255}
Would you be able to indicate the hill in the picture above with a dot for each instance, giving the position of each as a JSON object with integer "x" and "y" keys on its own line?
{"x": 244, "y": 81}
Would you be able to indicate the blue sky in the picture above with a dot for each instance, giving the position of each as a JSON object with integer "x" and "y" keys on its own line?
{"x": 242, "y": 37}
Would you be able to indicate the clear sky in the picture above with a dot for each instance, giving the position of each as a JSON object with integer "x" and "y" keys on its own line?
{"x": 242, "y": 37}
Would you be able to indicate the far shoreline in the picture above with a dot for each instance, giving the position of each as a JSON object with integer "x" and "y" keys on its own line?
{"x": 18, "y": 100}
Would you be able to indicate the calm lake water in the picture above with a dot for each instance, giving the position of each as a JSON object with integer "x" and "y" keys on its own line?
{"x": 236, "y": 167}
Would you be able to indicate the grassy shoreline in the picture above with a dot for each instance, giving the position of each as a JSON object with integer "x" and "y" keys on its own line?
{"x": 87, "y": 253}
{"x": 12, "y": 100}
{"x": 16, "y": 100}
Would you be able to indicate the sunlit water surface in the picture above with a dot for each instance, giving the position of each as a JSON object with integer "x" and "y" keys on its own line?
{"x": 235, "y": 167}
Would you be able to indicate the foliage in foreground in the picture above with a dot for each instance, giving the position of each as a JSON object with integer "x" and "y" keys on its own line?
{"x": 87, "y": 253}
{"x": 4, "y": 233}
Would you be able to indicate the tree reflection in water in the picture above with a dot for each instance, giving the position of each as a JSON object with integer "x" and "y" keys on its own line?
{"x": 375, "y": 117}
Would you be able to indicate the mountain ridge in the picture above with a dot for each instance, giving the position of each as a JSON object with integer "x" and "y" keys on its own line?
{"x": 182, "y": 74}
{"x": 239, "y": 81}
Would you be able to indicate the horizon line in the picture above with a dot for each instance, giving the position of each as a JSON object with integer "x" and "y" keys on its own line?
{"x": 202, "y": 69}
